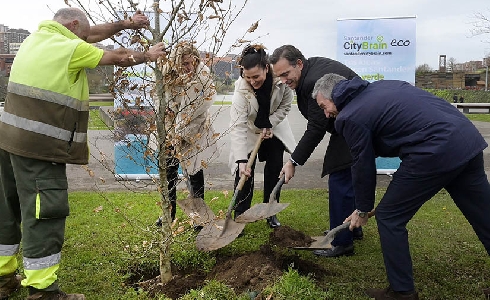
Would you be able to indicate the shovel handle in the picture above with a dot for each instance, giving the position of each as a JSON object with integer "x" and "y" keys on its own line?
{"x": 243, "y": 178}
{"x": 188, "y": 182}
{"x": 276, "y": 189}
{"x": 332, "y": 233}
{"x": 250, "y": 161}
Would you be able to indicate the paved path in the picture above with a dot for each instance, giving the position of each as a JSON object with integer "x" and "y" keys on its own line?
{"x": 218, "y": 174}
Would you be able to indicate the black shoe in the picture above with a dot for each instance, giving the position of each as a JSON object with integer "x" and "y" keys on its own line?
{"x": 389, "y": 294}
{"x": 273, "y": 222}
{"x": 357, "y": 234}
{"x": 336, "y": 251}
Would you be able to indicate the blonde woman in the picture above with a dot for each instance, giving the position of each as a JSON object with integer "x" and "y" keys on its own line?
{"x": 189, "y": 92}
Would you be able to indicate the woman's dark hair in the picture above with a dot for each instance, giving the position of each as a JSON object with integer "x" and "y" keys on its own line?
{"x": 252, "y": 56}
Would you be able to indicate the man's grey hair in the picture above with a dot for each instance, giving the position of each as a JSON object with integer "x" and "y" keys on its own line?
{"x": 69, "y": 14}
{"x": 325, "y": 85}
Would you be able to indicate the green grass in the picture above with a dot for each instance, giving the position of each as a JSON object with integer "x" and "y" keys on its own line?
{"x": 102, "y": 103}
{"x": 95, "y": 122}
{"x": 221, "y": 102}
{"x": 294, "y": 286}
{"x": 111, "y": 234}
{"x": 479, "y": 117}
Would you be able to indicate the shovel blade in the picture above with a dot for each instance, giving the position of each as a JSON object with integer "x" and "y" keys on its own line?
{"x": 325, "y": 242}
{"x": 197, "y": 210}
{"x": 261, "y": 211}
{"x": 218, "y": 234}
{"x": 319, "y": 243}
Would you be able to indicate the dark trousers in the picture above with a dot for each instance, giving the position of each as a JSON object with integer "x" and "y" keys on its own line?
{"x": 468, "y": 187}
{"x": 196, "y": 183}
{"x": 271, "y": 151}
{"x": 341, "y": 204}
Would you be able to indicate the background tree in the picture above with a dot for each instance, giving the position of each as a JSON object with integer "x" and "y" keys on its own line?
{"x": 204, "y": 22}
{"x": 481, "y": 24}
{"x": 424, "y": 68}
{"x": 451, "y": 63}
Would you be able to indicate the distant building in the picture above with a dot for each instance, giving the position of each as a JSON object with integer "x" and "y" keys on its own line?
{"x": 459, "y": 80}
{"x": 469, "y": 75}
{"x": 14, "y": 48}
{"x": 469, "y": 66}
{"x": 226, "y": 67}
{"x": 11, "y": 36}
{"x": 6, "y": 61}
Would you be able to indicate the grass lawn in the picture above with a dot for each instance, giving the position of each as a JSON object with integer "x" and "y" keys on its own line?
{"x": 95, "y": 121}
{"x": 479, "y": 117}
{"x": 102, "y": 103}
{"x": 110, "y": 233}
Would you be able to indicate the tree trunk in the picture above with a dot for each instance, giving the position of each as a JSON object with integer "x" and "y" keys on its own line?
{"x": 166, "y": 238}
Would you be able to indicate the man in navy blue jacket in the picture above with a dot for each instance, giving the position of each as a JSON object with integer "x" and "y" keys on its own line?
{"x": 438, "y": 147}
{"x": 301, "y": 74}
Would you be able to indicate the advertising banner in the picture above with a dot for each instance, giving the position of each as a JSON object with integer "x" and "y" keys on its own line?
{"x": 379, "y": 49}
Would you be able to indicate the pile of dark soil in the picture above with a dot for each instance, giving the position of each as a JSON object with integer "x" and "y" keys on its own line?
{"x": 286, "y": 237}
{"x": 249, "y": 272}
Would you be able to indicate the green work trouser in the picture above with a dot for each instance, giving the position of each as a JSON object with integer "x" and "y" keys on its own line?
{"x": 32, "y": 193}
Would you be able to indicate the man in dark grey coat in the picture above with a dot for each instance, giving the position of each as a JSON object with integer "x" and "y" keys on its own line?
{"x": 301, "y": 74}
{"x": 438, "y": 147}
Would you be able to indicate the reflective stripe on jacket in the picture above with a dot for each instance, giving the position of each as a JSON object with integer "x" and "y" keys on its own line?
{"x": 45, "y": 115}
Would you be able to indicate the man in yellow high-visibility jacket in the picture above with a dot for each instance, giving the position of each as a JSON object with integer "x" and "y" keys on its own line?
{"x": 44, "y": 127}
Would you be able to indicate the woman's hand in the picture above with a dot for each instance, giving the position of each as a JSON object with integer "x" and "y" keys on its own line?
{"x": 243, "y": 170}
{"x": 267, "y": 133}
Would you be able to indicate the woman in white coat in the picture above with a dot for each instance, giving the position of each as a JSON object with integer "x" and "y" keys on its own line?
{"x": 190, "y": 92}
{"x": 260, "y": 103}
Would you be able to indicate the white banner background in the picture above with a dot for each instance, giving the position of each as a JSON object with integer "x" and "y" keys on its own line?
{"x": 378, "y": 48}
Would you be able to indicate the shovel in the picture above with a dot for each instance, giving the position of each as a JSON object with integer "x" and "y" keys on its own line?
{"x": 264, "y": 210}
{"x": 219, "y": 233}
{"x": 325, "y": 242}
{"x": 195, "y": 208}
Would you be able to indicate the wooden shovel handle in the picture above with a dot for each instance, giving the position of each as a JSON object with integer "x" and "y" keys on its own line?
{"x": 188, "y": 182}
{"x": 250, "y": 161}
{"x": 243, "y": 178}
